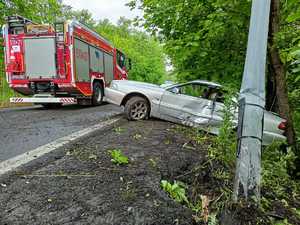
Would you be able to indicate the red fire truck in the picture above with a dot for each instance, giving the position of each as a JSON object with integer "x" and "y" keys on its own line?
{"x": 64, "y": 63}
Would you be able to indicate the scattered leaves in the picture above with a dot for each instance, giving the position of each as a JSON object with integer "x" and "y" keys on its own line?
{"x": 119, "y": 130}
{"x": 93, "y": 156}
{"x": 137, "y": 136}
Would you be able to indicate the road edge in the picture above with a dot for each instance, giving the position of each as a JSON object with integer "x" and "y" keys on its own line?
{"x": 20, "y": 160}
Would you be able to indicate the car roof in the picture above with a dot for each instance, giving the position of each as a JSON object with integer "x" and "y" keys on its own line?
{"x": 205, "y": 82}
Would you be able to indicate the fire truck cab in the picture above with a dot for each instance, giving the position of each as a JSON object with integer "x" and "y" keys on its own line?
{"x": 64, "y": 63}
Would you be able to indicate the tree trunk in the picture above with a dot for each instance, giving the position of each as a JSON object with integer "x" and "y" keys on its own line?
{"x": 279, "y": 74}
{"x": 271, "y": 101}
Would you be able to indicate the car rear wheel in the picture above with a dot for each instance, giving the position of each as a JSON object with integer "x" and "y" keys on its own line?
{"x": 137, "y": 108}
{"x": 97, "y": 98}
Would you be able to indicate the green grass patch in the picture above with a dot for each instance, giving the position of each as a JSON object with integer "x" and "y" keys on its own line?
{"x": 117, "y": 157}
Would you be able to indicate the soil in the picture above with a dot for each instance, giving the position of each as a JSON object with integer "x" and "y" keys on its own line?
{"x": 78, "y": 184}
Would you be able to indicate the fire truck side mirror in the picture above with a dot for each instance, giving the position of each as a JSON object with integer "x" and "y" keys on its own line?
{"x": 129, "y": 64}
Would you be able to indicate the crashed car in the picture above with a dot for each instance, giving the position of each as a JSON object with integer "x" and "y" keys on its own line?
{"x": 197, "y": 103}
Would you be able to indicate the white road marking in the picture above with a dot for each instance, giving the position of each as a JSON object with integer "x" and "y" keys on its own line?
{"x": 24, "y": 158}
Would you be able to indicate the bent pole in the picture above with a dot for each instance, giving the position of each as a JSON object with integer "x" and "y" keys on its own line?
{"x": 251, "y": 105}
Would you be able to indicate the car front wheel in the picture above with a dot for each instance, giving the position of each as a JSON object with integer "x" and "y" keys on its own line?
{"x": 137, "y": 108}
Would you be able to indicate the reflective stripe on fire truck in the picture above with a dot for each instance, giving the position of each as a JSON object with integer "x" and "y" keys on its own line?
{"x": 67, "y": 100}
{"x": 43, "y": 100}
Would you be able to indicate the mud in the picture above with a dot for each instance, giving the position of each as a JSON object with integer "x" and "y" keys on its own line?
{"x": 79, "y": 184}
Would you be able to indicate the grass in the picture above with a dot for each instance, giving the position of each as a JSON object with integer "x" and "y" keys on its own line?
{"x": 5, "y": 91}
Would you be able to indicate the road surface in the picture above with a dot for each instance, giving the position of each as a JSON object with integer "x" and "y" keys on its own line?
{"x": 26, "y": 128}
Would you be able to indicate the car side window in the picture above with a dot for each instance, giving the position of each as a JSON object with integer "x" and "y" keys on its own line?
{"x": 199, "y": 91}
{"x": 194, "y": 90}
{"x": 216, "y": 95}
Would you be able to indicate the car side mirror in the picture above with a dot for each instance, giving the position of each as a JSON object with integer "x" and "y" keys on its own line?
{"x": 129, "y": 64}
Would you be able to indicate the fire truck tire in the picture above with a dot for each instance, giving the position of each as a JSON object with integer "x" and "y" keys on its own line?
{"x": 137, "y": 108}
{"x": 98, "y": 92}
{"x": 52, "y": 105}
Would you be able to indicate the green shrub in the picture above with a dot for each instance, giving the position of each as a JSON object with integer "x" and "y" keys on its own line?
{"x": 176, "y": 191}
{"x": 275, "y": 171}
{"x": 118, "y": 157}
{"x": 223, "y": 146}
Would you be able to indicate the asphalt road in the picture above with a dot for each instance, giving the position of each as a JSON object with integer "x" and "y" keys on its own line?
{"x": 26, "y": 128}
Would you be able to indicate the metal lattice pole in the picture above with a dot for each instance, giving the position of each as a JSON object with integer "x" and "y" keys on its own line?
{"x": 252, "y": 103}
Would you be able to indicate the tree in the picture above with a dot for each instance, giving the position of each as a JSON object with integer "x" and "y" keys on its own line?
{"x": 204, "y": 39}
{"x": 145, "y": 52}
{"x": 207, "y": 40}
{"x": 279, "y": 73}
{"x": 83, "y": 16}
{"x": 43, "y": 11}
{"x": 285, "y": 17}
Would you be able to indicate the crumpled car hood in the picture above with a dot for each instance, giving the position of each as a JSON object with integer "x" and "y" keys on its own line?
{"x": 136, "y": 84}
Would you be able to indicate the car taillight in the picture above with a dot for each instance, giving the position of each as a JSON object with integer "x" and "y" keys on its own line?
{"x": 282, "y": 125}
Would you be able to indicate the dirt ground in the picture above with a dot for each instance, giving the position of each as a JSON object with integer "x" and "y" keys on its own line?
{"x": 78, "y": 184}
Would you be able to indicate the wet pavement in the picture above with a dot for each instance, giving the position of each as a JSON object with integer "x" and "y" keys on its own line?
{"x": 26, "y": 128}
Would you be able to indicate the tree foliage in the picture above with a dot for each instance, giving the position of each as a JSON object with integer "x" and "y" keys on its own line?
{"x": 207, "y": 39}
{"x": 42, "y": 11}
{"x": 288, "y": 40}
{"x": 144, "y": 51}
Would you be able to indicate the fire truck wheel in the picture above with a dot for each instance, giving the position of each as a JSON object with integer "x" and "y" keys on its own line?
{"x": 52, "y": 105}
{"x": 98, "y": 93}
{"x": 137, "y": 108}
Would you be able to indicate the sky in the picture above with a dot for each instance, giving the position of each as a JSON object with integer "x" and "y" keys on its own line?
{"x": 101, "y": 9}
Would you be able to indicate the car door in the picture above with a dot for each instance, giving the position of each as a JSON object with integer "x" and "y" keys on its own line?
{"x": 186, "y": 104}
{"x": 170, "y": 106}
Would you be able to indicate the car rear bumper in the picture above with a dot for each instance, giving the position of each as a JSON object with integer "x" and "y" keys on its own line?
{"x": 270, "y": 137}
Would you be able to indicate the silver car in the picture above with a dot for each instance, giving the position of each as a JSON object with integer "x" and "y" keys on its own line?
{"x": 197, "y": 103}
